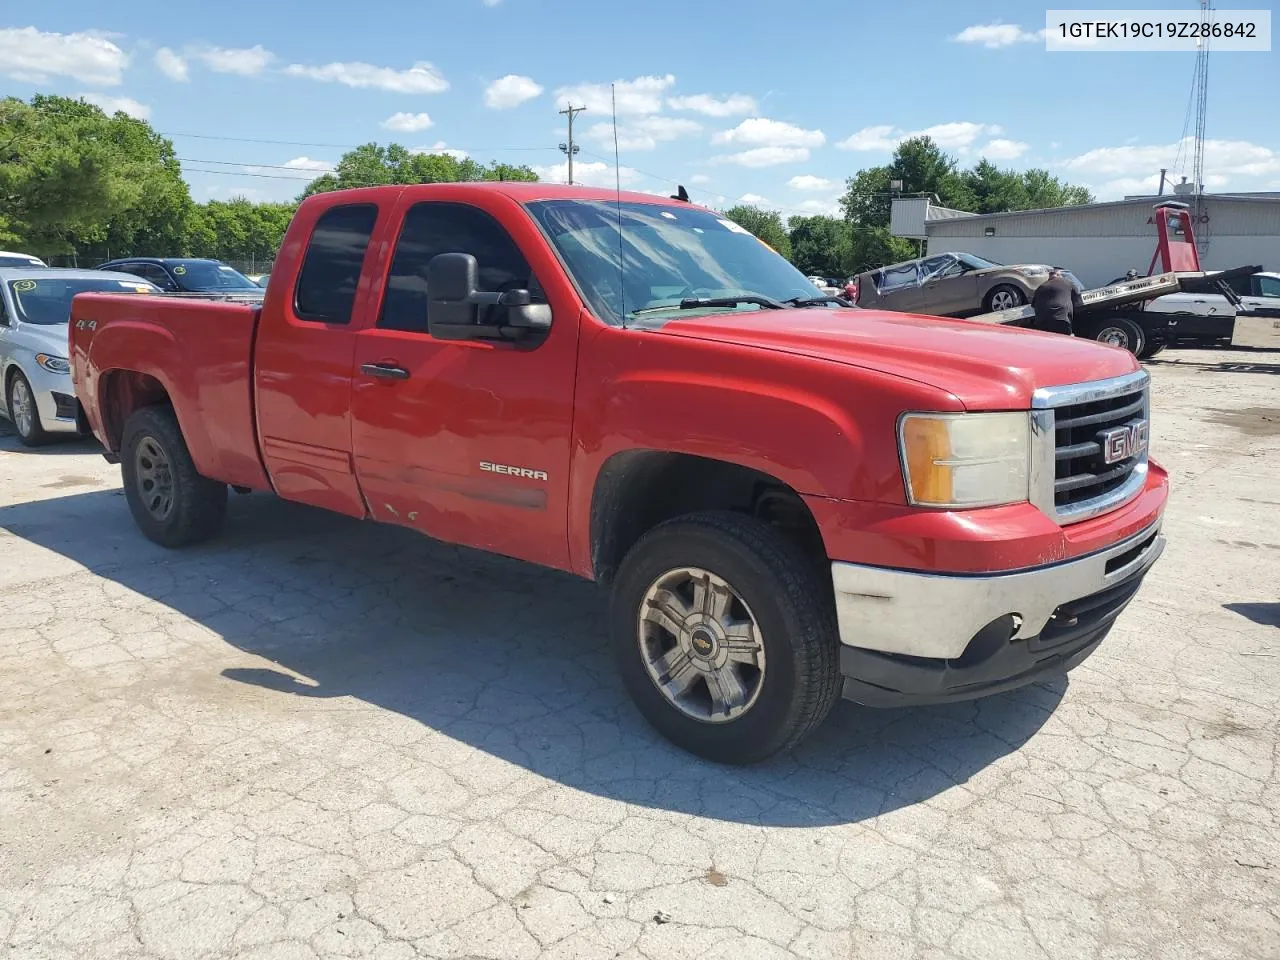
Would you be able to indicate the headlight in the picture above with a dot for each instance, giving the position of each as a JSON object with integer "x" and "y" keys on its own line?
{"x": 53, "y": 364}
{"x": 965, "y": 459}
{"x": 1034, "y": 271}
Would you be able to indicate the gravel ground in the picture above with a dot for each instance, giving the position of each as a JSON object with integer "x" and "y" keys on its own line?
{"x": 318, "y": 738}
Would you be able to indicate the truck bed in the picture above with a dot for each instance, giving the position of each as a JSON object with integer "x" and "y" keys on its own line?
{"x": 199, "y": 351}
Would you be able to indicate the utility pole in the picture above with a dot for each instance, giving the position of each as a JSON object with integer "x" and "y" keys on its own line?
{"x": 570, "y": 148}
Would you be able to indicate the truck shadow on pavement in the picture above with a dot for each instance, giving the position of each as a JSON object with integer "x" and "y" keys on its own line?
{"x": 503, "y": 656}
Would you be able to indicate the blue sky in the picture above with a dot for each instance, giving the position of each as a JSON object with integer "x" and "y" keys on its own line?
{"x": 773, "y": 103}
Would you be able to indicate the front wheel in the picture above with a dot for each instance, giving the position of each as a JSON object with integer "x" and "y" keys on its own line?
{"x": 1004, "y": 297}
{"x": 724, "y": 633}
{"x": 1123, "y": 333}
{"x": 169, "y": 499}
{"x": 24, "y": 413}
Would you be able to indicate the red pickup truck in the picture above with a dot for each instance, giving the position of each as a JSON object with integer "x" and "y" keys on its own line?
{"x": 789, "y": 499}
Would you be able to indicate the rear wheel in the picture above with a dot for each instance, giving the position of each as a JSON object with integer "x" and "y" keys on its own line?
{"x": 169, "y": 499}
{"x": 1152, "y": 347}
{"x": 1121, "y": 332}
{"x": 24, "y": 413}
{"x": 724, "y": 633}
{"x": 1004, "y": 297}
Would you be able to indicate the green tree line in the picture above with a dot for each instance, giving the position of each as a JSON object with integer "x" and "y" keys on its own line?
{"x": 77, "y": 182}
{"x": 860, "y": 240}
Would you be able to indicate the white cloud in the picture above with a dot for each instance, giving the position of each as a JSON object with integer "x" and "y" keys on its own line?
{"x": 882, "y": 138}
{"x": 591, "y": 173}
{"x": 422, "y": 77}
{"x": 699, "y": 178}
{"x": 642, "y": 95}
{"x": 305, "y": 165}
{"x": 956, "y": 135}
{"x": 753, "y": 200}
{"x": 1228, "y": 158}
{"x": 510, "y": 91}
{"x": 32, "y": 56}
{"x": 118, "y": 104}
{"x": 765, "y": 156}
{"x": 1133, "y": 169}
{"x": 172, "y": 65}
{"x": 810, "y": 208}
{"x": 807, "y": 181}
{"x": 1001, "y": 149}
{"x": 733, "y": 105}
{"x": 440, "y": 147}
{"x": 643, "y": 133}
{"x": 993, "y": 36}
{"x": 761, "y": 131}
{"x": 407, "y": 122}
{"x": 242, "y": 61}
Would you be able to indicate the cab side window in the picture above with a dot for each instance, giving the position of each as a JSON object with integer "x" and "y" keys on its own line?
{"x": 434, "y": 228}
{"x": 330, "y": 271}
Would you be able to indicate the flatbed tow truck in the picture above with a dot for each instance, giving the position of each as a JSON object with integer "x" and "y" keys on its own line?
{"x": 1115, "y": 314}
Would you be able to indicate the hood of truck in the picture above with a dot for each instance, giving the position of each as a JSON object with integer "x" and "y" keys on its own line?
{"x": 985, "y": 366}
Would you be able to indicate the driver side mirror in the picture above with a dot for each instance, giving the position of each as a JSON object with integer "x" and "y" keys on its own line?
{"x": 453, "y": 304}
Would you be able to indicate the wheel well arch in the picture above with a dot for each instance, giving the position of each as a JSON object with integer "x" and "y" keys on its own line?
{"x": 636, "y": 490}
{"x": 121, "y": 393}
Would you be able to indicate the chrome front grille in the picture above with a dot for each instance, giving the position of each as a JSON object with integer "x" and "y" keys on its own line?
{"x": 1077, "y": 429}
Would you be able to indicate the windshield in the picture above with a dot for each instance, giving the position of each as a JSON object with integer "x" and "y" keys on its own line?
{"x": 976, "y": 263}
{"x": 203, "y": 276}
{"x": 670, "y": 254}
{"x": 48, "y": 301}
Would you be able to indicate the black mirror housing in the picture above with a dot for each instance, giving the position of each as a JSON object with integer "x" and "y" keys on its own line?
{"x": 453, "y": 302}
{"x": 451, "y": 284}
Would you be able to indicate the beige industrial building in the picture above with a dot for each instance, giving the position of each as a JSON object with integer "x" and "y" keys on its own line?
{"x": 1098, "y": 241}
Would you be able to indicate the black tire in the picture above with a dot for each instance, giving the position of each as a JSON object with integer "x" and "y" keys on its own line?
{"x": 1120, "y": 332}
{"x": 790, "y": 598}
{"x": 1019, "y": 298}
{"x": 1152, "y": 347}
{"x": 36, "y": 435}
{"x": 197, "y": 505}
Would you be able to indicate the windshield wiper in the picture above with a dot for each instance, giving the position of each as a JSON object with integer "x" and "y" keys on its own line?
{"x": 696, "y": 303}
{"x": 813, "y": 301}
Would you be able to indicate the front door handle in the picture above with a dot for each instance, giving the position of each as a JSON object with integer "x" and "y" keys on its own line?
{"x": 385, "y": 371}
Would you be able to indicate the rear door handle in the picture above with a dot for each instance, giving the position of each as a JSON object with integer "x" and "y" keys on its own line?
{"x": 385, "y": 371}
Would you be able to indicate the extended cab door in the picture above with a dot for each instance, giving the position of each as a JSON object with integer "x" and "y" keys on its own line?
{"x": 468, "y": 440}
{"x": 302, "y": 361}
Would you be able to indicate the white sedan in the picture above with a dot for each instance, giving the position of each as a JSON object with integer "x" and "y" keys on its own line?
{"x": 35, "y": 309}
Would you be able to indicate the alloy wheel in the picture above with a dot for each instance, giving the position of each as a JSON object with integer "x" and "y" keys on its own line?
{"x": 22, "y": 407}
{"x": 154, "y": 478}
{"x": 701, "y": 645}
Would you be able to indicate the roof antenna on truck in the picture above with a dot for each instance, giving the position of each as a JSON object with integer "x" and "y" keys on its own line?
{"x": 617, "y": 192}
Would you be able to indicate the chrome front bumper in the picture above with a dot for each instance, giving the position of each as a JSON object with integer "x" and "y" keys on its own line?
{"x": 934, "y": 616}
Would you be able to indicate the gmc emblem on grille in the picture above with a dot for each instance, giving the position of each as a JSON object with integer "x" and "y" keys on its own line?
{"x": 1121, "y": 443}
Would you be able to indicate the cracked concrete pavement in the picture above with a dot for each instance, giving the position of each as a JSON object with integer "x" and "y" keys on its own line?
{"x": 320, "y": 738}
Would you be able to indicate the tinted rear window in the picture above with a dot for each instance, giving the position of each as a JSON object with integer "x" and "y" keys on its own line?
{"x": 331, "y": 269}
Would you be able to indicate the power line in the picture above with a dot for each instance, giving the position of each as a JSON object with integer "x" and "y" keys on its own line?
{"x": 337, "y": 146}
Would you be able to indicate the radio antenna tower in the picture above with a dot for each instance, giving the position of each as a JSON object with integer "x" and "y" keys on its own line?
{"x": 1202, "y": 105}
